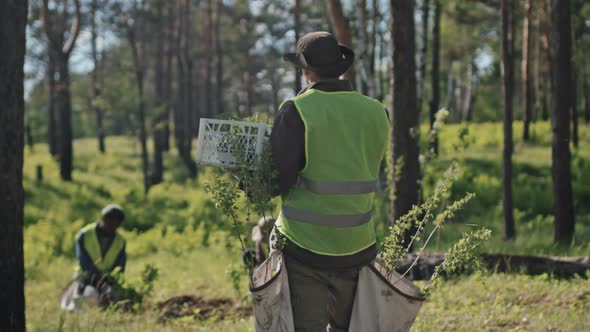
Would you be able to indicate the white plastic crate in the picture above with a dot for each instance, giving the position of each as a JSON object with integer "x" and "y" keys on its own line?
{"x": 220, "y": 140}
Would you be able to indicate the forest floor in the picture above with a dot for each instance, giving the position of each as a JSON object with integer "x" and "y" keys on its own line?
{"x": 178, "y": 230}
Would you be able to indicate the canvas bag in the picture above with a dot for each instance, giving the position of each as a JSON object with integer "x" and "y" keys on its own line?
{"x": 382, "y": 302}
{"x": 271, "y": 297}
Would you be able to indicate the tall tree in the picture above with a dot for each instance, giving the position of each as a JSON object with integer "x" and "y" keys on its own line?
{"x": 405, "y": 126}
{"x": 219, "y": 58}
{"x": 364, "y": 51}
{"x": 586, "y": 90}
{"x": 423, "y": 51}
{"x": 527, "y": 65}
{"x": 209, "y": 60}
{"x": 138, "y": 52}
{"x": 341, "y": 29}
{"x": 561, "y": 88}
{"x": 574, "y": 96}
{"x": 161, "y": 117}
{"x": 52, "y": 130}
{"x": 297, "y": 29}
{"x": 56, "y": 32}
{"x": 435, "y": 102}
{"x": 544, "y": 27}
{"x": 95, "y": 72}
{"x": 13, "y": 21}
{"x": 183, "y": 112}
{"x": 507, "y": 9}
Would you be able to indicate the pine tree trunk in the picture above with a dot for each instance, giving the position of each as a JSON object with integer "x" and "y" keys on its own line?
{"x": 423, "y": 52}
{"x": 52, "y": 129}
{"x": 544, "y": 26}
{"x": 527, "y": 58}
{"x": 342, "y": 31}
{"x": 13, "y": 20}
{"x": 561, "y": 54}
{"x": 95, "y": 89}
{"x": 168, "y": 71}
{"x": 64, "y": 108}
{"x": 586, "y": 90}
{"x": 472, "y": 82}
{"x": 219, "y": 56}
{"x": 574, "y": 101}
{"x": 435, "y": 102}
{"x": 373, "y": 43}
{"x": 297, "y": 29}
{"x": 139, "y": 69}
{"x": 362, "y": 47}
{"x": 62, "y": 101}
{"x": 382, "y": 67}
{"x": 405, "y": 130}
{"x": 188, "y": 114}
{"x": 507, "y": 89}
{"x": 209, "y": 111}
{"x": 161, "y": 116}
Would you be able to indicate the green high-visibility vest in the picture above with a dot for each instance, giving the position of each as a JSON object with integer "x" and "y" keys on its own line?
{"x": 103, "y": 263}
{"x": 329, "y": 211}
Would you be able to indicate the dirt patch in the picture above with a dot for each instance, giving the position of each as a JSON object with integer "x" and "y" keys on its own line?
{"x": 200, "y": 308}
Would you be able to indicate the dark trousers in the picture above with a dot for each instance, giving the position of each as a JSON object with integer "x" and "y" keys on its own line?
{"x": 321, "y": 300}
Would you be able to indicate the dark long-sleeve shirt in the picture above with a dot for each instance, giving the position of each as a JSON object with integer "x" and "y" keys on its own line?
{"x": 288, "y": 153}
{"x": 86, "y": 263}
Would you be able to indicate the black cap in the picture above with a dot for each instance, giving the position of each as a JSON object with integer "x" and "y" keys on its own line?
{"x": 320, "y": 52}
{"x": 113, "y": 211}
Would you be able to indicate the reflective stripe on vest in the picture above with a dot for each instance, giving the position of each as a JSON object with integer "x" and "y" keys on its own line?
{"x": 332, "y": 220}
{"x": 337, "y": 188}
{"x": 92, "y": 245}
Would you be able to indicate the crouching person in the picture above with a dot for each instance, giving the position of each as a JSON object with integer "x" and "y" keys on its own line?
{"x": 100, "y": 249}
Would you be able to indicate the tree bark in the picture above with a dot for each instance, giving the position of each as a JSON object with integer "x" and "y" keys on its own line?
{"x": 342, "y": 31}
{"x": 13, "y": 20}
{"x": 507, "y": 89}
{"x": 139, "y": 69}
{"x": 219, "y": 56}
{"x": 544, "y": 27}
{"x": 527, "y": 59}
{"x": 382, "y": 66}
{"x": 297, "y": 30}
{"x": 62, "y": 101}
{"x": 51, "y": 117}
{"x": 405, "y": 128}
{"x": 561, "y": 53}
{"x": 470, "y": 93}
{"x": 64, "y": 107}
{"x": 586, "y": 89}
{"x": 363, "y": 48}
{"x": 423, "y": 52}
{"x": 100, "y": 134}
{"x": 373, "y": 43}
{"x": 209, "y": 111}
{"x": 168, "y": 70}
{"x": 574, "y": 92}
{"x": 191, "y": 116}
{"x": 161, "y": 115}
{"x": 435, "y": 102}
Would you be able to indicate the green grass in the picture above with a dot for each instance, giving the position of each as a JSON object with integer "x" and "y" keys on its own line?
{"x": 180, "y": 231}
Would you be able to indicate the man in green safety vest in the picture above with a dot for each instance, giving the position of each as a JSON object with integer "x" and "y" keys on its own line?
{"x": 100, "y": 248}
{"x": 327, "y": 144}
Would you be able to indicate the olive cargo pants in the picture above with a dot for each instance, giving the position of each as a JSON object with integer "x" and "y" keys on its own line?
{"x": 321, "y": 300}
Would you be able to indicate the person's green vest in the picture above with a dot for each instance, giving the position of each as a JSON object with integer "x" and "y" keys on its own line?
{"x": 329, "y": 211}
{"x": 90, "y": 241}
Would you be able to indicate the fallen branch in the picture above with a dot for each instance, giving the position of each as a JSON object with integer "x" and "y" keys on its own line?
{"x": 563, "y": 267}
